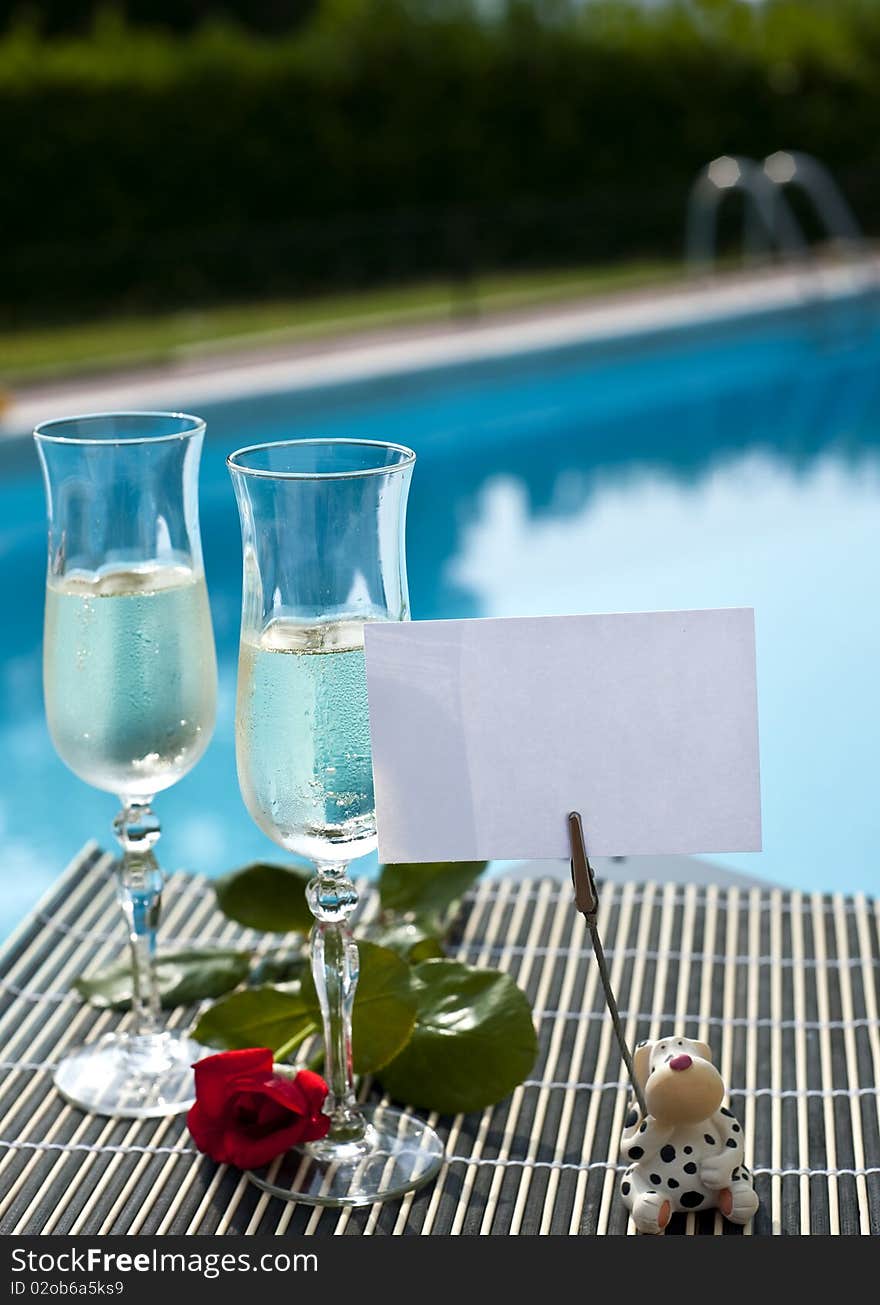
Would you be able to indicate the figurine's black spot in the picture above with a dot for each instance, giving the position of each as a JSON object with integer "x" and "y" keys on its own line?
{"x": 735, "y": 1175}
{"x": 690, "y": 1168}
{"x": 624, "y": 1187}
{"x": 690, "y": 1200}
{"x": 644, "y": 1043}
{"x": 727, "y": 1112}
{"x": 731, "y": 1141}
{"x": 667, "y": 1154}
{"x": 671, "y": 1182}
{"x": 735, "y": 1127}
{"x": 709, "y": 1138}
{"x": 643, "y": 1125}
{"x": 636, "y": 1152}
{"x": 655, "y": 1178}
{"x": 688, "y": 1150}
{"x": 631, "y": 1119}
{"x": 649, "y": 1191}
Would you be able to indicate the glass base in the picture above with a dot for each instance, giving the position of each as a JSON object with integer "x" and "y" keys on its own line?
{"x": 131, "y": 1077}
{"x": 397, "y": 1154}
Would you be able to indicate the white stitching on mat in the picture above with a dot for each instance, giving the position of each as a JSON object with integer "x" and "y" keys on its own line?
{"x": 108, "y": 1149}
{"x": 27, "y": 994}
{"x": 95, "y": 935}
{"x": 530, "y": 1164}
{"x": 488, "y": 894}
{"x": 527, "y": 1163}
{"x": 734, "y": 1092}
{"x": 46, "y": 1066}
{"x": 631, "y": 953}
{"x": 57, "y": 922}
{"x": 820, "y": 1173}
{"x": 84, "y": 935}
{"x": 607, "y": 1164}
{"x": 735, "y": 1021}
{"x": 54, "y": 922}
{"x": 19, "y": 1144}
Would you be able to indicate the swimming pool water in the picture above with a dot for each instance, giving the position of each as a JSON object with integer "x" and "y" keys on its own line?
{"x": 731, "y": 464}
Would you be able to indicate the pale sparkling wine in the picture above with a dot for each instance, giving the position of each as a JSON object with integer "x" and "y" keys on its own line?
{"x": 303, "y": 737}
{"x": 129, "y": 675}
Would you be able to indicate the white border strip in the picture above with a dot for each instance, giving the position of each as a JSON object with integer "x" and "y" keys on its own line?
{"x": 613, "y": 319}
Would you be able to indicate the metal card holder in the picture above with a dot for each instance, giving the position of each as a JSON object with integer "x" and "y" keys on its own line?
{"x": 586, "y": 900}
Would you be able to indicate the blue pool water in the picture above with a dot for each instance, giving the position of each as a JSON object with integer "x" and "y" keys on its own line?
{"x": 734, "y": 464}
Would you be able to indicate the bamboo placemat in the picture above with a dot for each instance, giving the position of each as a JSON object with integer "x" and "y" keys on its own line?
{"x": 784, "y": 985}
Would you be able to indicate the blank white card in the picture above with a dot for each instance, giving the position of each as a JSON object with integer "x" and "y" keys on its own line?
{"x": 486, "y": 733}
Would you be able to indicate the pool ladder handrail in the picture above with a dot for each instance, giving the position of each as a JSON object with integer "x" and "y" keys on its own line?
{"x": 795, "y": 168}
{"x": 768, "y": 219}
{"x": 769, "y": 222}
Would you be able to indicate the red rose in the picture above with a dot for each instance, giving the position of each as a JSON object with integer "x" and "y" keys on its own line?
{"x": 245, "y": 1114}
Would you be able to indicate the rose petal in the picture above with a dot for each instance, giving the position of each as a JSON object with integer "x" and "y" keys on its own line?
{"x": 246, "y": 1115}
{"x": 215, "y": 1074}
{"x": 205, "y": 1131}
{"x": 247, "y": 1151}
{"x": 304, "y": 1094}
{"x": 313, "y": 1088}
{"x": 271, "y": 1114}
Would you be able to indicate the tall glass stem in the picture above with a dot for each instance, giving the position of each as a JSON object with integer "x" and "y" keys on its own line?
{"x": 332, "y": 898}
{"x": 139, "y": 885}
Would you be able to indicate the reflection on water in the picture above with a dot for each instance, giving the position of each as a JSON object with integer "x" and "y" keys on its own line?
{"x": 721, "y": 467}
{"x": 801, "y": 549}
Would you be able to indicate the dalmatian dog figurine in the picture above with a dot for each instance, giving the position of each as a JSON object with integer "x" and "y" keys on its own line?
{"x": 687, "y": 1153}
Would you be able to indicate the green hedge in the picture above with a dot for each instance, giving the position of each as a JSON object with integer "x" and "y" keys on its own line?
{"x": 388, "y": 139}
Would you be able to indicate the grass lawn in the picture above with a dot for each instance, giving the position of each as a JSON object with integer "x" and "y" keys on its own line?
{"x": 53, "y": 352}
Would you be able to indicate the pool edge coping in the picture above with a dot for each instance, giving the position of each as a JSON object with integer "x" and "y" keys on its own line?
{"x": 333, "y": 361}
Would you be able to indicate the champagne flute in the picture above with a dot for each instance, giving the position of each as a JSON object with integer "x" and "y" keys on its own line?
{"x": 323, "y": 545}
{"x": 130, "y": 685}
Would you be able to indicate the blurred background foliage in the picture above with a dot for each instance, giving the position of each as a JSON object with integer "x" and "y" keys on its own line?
{"x": 184, "y": 152}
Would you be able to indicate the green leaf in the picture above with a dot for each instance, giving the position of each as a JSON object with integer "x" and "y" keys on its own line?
{"x": 282, "y": 1017}
{"x": 410, "y": 939}
{"x": 282, "y": 966}
{"x": 257, "y": 1017}
{"x": 426, "y": 890}
{"x": 266, "y": 896}
{"x": 384, "y": 1007}
{"x": 182, "y": 977}
{"x": 473, "y": 1043}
